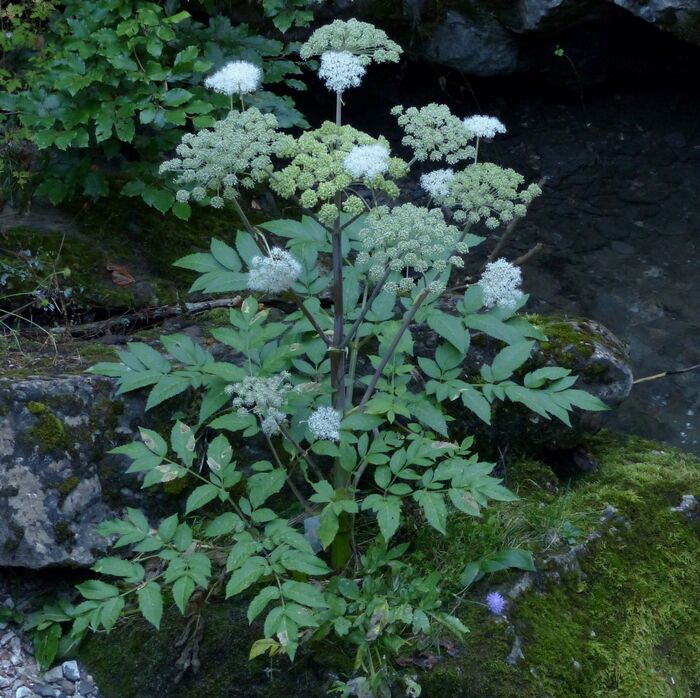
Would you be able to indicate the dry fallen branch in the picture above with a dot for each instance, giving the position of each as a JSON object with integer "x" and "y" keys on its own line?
{"x": 656, "y": 376}
{"x": 144, "y": 316}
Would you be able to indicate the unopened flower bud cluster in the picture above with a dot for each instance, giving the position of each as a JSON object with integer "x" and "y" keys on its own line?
{"x": 363, "y": 40}
{"x": 407, "y": 239}
{"x": 489, "y": 193}
{"x": 317, "y": 170}
{"x": 234, "y": 152}
{"x": 434, "y": 133}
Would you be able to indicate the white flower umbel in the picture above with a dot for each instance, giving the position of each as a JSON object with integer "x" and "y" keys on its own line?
{"x": 341, "y": 70}
{"x": 263, "y": 397}
{"x": 275, "y": 273}
{"x": 324, "y": 423}
{"x": 437, "y": 183}
{"x": 500, "y": 284}
{"x": 270, "y": 425}
{"x": 484, "y": 126}
{"x": 235, "y": 78}
{"x": 367, "y": 161}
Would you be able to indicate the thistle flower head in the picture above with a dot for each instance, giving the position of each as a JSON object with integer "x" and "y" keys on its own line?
{"x": 434, "y": 133}
{"x": 408, "y": 238}
{"x": 361, "y": 39}
{"x": 341, "y": 70}
{"x": 437, "y": 182}
{"x": 367, "y": 161}
{"x": 263, "y": 397}
{"x": 214, "y": 162}
{"x": 316, "y": 172}
{"x": 236, "y": 77}
{"x": 275, "y": 273}
{"x": 484, "y": 126}
{"x": 500, "y": 284}
{"x": 489, "y": 193}
{"x": 324, "y": 423}
{"x": 496, "y": 603}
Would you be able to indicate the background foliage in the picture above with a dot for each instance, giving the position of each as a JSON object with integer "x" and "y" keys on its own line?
{"x": 95, "y": 93}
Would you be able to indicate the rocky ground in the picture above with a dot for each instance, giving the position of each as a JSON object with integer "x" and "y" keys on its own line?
{"x": 20, "y": 675}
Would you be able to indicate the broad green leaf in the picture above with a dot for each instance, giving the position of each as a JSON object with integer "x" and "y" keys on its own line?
{"x": 223, "y": 524}
{"x": 151, "y": 603}
{"x": 510, "y": 359}
{"x": 261, "y": 486}
{"x": 433, "y": 505}
{"x": 303, "y": 593}
{"x": 182, "y": 591}
{"x": 450, "y": 328}
{"x": 201, "y": 496}
{"x": 258, "y": 604}
{"x": 328, "y": 527}
{"x": 246, "y": 576}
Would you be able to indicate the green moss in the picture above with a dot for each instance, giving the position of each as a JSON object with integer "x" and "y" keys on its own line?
{"x": 62, "y": 532}
{"x": 628, "y": 624}
{"x": 564, "y": 340}
{"x": 135, "y": 661}
{"x": 36, "y": 408}
{"x": 48, "y": 433}
{"x": 68, "y": 485}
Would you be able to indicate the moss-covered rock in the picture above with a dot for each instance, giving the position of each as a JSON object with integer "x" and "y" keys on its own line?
{"x": 585, "y": 347}
{"x": 621, "y": 620}
{"x": 59, "y": 479}
{"x": 611, "y": 611}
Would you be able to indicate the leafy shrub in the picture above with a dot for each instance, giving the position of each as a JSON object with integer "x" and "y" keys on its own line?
{"x": 112, "y": 85}
{"x": 356, "y": 427}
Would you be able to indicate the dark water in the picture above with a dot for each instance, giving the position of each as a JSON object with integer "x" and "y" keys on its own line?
{"x": 620, "y": 213}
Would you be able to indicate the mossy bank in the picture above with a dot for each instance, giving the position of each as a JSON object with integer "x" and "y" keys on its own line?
{"x": 621, "y": 619}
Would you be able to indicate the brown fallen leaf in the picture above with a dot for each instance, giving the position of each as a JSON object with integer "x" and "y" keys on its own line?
{"x": 425, "y": 660}
{"x": 120, "y": 275}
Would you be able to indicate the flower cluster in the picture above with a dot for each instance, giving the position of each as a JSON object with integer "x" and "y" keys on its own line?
{"x": 324, "y": 423}
{"x": 484, "y": 191}
{"x": 407, "y": 239}
{"x": 434, "y": 133}
{"x": 236, "y": 77}
{"x": 317, "y": 171}
{"x": 496, "y": 603}
{"x": 235, "y": 152}
{"x": 367, "y": 161}
{"x": 500, "y": 284}
{"x": 275, "y": 273}
{"x": 263, "y": 397}
{"x": 359, "y": 38}
{"x": 341, "y": 70}
{"x": 437, "y": 183}
{"x": 484, "y": 126}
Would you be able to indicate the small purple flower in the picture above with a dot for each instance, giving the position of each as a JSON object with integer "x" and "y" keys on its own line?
{"x": 496, "y": 603}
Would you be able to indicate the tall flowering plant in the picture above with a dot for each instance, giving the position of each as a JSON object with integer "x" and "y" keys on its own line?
{"x": 354, "y": 424}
